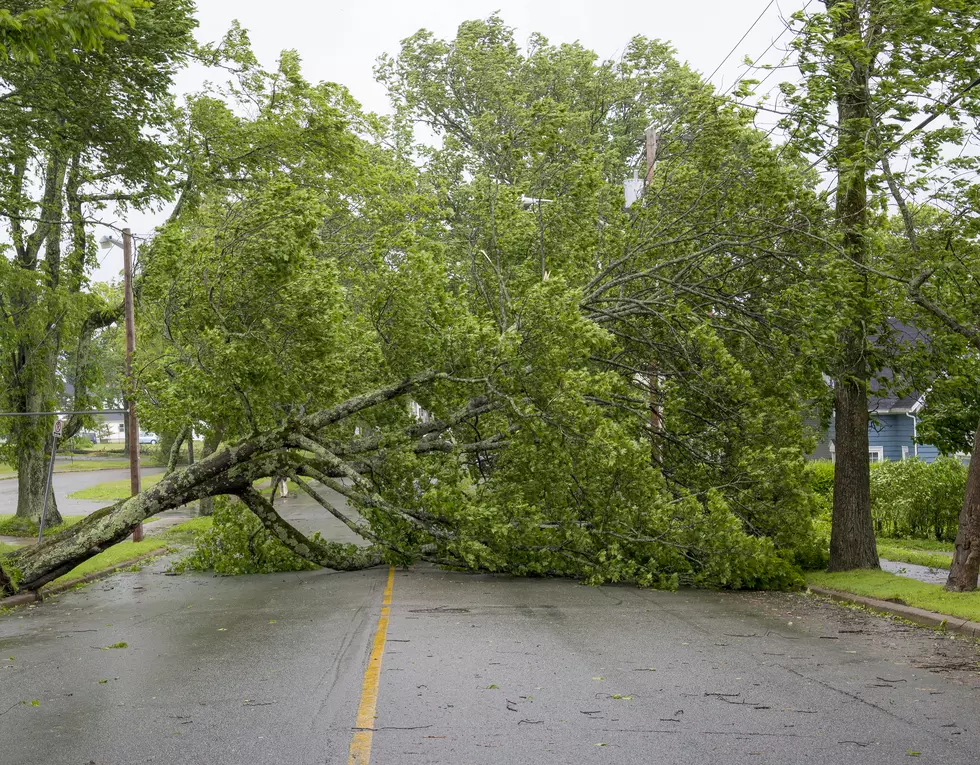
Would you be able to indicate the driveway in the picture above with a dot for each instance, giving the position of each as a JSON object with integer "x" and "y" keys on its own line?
{"x": 475, "y": 669}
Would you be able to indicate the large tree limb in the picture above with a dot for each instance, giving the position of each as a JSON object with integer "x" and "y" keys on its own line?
{"x": 327, "y": 554}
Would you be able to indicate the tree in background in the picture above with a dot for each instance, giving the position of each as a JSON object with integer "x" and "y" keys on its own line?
{"x": 82, "y": 132}
{"x": 703, "y": 285}
{"x": 32, "y": 30}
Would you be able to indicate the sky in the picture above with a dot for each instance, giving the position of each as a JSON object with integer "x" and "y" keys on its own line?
{"x": 341, "y": 41}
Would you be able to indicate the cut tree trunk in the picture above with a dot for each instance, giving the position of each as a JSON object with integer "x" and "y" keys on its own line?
{"x": 852, "y": 536}
{"x": 965, "y": 566}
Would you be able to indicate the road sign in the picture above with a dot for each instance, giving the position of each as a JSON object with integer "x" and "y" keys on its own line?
{"x": 59, "y": 425}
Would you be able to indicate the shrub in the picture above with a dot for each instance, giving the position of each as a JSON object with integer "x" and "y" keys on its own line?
{"x": 822, "y": 477}
{"x": 910, "y": 498}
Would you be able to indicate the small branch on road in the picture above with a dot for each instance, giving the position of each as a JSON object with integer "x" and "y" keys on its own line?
{"x": 396, "y": 727}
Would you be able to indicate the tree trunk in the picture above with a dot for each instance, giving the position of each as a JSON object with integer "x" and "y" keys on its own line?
{"x": 852, "y": 540}
{"x": 211, "y": 442}
{"x": 852, "y": 536}
{"x": 965, "y": 567}
{"x": 32, "y": 475}
{"x": 174, "y": 449}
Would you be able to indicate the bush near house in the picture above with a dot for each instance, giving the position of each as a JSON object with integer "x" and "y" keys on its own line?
{"x": 909, "y": 498}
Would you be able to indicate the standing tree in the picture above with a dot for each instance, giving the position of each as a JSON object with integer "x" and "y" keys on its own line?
{"x": 60, "y": 29}
{"x": 871, "y": 69}
{"x": 82, "y": 132}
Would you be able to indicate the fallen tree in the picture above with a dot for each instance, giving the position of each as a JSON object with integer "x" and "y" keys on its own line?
{"x": 296, "y": 449}
{"x": 598, "y": 525}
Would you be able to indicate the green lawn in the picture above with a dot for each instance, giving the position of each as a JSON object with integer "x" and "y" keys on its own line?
{"x": 110, "y": 491}
{"x": 186, "y": 532}
{"x": 918, "y": 557}
{"x": 5, "y": 548}
{"x": 12, "y": 526}
{"x": 884, "y": 586}
{"x": 79, "y": 466}
{"x": 922, "y": 552}
{"x": 113, "y": 556}
{"x": 931, "y": 545}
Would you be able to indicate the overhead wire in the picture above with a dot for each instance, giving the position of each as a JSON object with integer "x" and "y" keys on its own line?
{"x": 741, "y": 39}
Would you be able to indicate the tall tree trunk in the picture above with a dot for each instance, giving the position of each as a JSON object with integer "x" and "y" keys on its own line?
{"x": 852, "y": 540}
{"x": 31, "y": 435}
{"x": 852, "y": 536}
{"x": 965, "y": 567}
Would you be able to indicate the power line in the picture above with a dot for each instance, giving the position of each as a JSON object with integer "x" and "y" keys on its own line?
{"x": 741, "y": 40}
{"x": 769, "y": 48}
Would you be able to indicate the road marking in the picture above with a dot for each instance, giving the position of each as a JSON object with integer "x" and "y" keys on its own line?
{"x": 360, "y": 745}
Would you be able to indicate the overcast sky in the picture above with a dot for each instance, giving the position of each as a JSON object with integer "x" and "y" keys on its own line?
{"x": 341, "y": 41}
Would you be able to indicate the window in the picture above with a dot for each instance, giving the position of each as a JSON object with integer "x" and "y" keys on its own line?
{"x": 905, "y": 452}
{"x": 876, "y": 454}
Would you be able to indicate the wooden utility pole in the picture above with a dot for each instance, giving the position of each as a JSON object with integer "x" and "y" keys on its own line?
{"x": 651, "y": 144}
{"x": 132, "y": 424}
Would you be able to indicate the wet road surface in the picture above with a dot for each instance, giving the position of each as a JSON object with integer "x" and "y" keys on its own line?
{"x": 476, "y": 669}
{"x": 63, "y": 484}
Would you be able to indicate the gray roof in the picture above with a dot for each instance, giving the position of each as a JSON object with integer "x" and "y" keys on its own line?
{"x": 903, "y": 395}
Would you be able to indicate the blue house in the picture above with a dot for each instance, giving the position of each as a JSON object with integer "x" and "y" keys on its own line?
{"x": 891, "y": 431}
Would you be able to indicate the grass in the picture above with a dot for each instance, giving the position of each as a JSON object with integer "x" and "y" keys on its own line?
{"x": 5, "y": 548}
{"x": 188, "y": 531}
{"x": 930, "y": 545}
{"x": 921, "y": 552}
{"x": 110, "y": 491}
{"x": 112, "y": 557}
{"x": 885, "y": 586}
{"x": 917, "y": 557}
{"x": 12, "y": 526}
{"x": 81, "y": 466}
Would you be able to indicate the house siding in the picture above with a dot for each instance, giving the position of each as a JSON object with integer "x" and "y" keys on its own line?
{"x": 890, "y": 432}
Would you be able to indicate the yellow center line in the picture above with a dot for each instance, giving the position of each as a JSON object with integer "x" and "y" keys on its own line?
{"x": 360, "y": 745}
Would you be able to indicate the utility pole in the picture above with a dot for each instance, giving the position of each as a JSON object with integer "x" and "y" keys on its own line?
{"x": 132, "y": 425}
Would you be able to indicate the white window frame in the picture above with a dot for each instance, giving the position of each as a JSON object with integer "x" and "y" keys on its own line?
{"x": 878, "y": 451}
{"x": 905, "y": 452}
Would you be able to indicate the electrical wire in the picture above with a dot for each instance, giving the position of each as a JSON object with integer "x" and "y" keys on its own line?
{"x": 741, "y": 39}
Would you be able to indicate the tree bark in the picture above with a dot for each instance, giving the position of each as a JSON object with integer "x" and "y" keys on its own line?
{"x": 233, "y": 471}
{"x": 333, "y": 555}
{"x": 965, "y": 566}
{"x": 175, "y": 448}
{"x": 852, "y": 537}
{"x": 32, "y": 475}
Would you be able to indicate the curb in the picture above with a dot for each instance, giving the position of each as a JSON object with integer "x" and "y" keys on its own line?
{"x": 47, "y": 590}
{"x": 917, "y": 615}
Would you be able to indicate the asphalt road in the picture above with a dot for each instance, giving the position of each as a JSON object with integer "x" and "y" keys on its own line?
{"x": 476, "y": 670}
{"x": 64, "y": 484}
